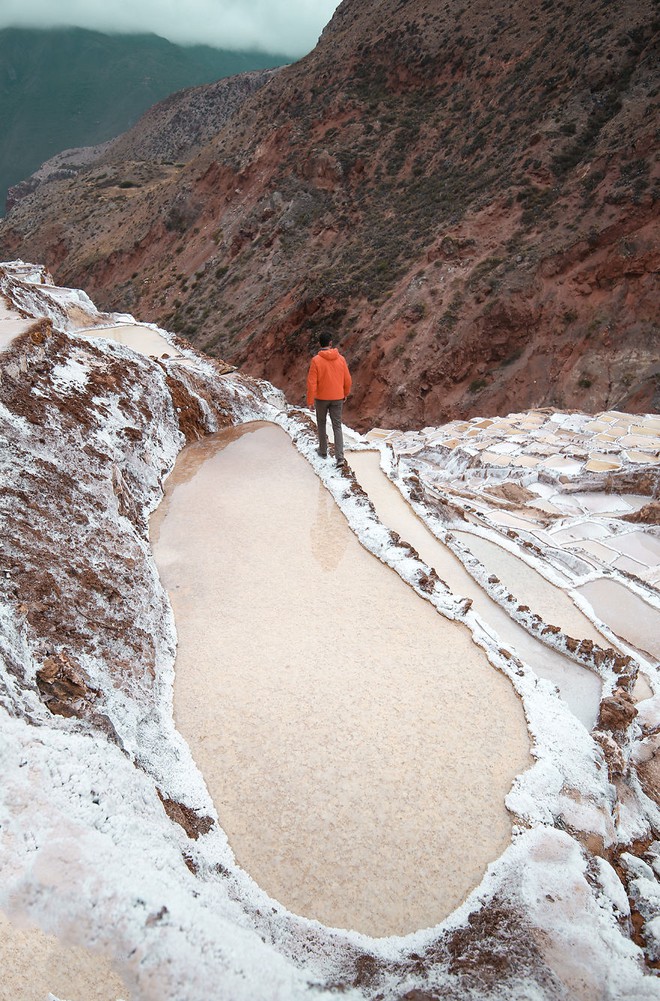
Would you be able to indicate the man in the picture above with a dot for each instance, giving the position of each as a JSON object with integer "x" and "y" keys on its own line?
{"x": 328, "y": 385}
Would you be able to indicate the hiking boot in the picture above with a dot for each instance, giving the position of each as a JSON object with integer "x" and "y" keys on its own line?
{"x": 324, "y": 455}
{"x": 340, "y": 463}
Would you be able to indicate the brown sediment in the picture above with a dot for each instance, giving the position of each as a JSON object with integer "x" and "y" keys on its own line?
{"x": 192, "y": 823}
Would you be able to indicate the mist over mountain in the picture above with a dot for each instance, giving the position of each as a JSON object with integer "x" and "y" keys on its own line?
{"x": 465, "y": 195}
{"x": 71, "y": 87}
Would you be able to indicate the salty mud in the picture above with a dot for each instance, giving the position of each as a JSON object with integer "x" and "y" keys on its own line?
{"x": 357, "y": 745}
{"x": 35, "y": 965}
{"x": 580, "y": 688}
{"x": 134, "y": 335}
{"x": 628, "y": 615}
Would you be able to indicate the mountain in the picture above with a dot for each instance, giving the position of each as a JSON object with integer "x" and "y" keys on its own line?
{"x": 71, "y": 87}
{"x": 170, "y": 131}
{"x": 465, "y": 194}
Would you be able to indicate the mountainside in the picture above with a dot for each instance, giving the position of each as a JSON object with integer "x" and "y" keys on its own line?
{"x": 70, "y": 87}
{"x": 169, "y": 131}
{"x": 466, "y": 195}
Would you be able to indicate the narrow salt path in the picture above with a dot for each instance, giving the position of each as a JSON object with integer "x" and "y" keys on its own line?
{"x": 357, "y": 745}
{"x": 580, "y": 688}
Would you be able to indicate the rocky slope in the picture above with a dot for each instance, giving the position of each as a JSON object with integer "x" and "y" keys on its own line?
{"x": 465, "y": 194}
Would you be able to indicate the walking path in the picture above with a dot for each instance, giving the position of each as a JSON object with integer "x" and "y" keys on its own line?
{"x": 357, "y": 745}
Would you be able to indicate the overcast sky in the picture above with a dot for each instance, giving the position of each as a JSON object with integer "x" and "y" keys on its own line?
{"x": 291, "y": 27}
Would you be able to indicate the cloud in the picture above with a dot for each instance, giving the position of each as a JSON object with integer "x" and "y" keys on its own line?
{"x": 290, "y": 27}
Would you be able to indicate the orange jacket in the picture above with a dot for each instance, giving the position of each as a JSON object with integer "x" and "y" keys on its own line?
{"x": 328, "y": 377}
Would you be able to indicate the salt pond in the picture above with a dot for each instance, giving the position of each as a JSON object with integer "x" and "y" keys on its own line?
{"x": 349, "y": 735}
{"x": 11, "y": 324}
{"x": 35, "y": 965}
{"x": 579, "y": 687}
{"x": 144, "y": 339}
{"x": 628, "y": 615}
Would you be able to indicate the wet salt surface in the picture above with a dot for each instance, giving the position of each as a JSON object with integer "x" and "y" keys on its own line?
{"x": 349, "y": 735}
{"x": 531, "y": 588}
{"x": 143, "y": 339}
{"x": 580, "y": 688}
{"x": 35, "y": 965}
{"x": 11, "y": 325}
{"x": 628, "y": 615}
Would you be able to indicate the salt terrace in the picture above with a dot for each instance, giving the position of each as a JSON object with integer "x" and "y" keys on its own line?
{"x": 562, "y": 460}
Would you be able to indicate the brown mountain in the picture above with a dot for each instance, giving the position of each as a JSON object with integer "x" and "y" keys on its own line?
{"x": 464, "y": 192}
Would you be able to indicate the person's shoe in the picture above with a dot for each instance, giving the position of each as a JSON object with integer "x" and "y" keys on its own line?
{"x": 324, "y": 455}
{"x": 340, "y": 463}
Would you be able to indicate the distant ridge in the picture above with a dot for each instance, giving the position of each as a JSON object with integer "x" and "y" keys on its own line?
{"x": 71, "y": 87}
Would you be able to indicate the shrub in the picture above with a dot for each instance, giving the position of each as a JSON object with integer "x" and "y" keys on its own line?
{"x": 476, "y": 385}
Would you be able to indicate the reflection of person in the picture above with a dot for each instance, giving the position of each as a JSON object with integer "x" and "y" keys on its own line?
{"x": 328, "y": 385}
{"x": 328, "y": 536}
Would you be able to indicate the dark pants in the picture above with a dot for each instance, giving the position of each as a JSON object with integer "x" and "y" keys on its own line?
{"x": 334, "y": 408}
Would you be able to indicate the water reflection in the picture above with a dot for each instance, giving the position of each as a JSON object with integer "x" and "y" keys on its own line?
{"x": 327, "y": 535}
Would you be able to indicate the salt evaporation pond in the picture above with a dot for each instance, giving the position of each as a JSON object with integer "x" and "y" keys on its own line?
{"x": 11, "y": 324}
{"x": 579, "y": 687}
{"x": 628, "y": 615}
{"x": 357, "y": 745}
{"x": 135, "y": 335}
{"x": 531, "y": 588}
{"x": 36, "y": 965}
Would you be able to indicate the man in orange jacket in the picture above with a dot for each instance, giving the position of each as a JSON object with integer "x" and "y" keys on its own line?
{"x": 328, "y": 385}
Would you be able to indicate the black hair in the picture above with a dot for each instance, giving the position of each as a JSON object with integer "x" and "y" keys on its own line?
{"x": 325, "y": 338}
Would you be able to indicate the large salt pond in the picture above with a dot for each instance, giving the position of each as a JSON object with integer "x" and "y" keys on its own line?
{"x": 580, "y": 688}
{"x": 357, "y": 745}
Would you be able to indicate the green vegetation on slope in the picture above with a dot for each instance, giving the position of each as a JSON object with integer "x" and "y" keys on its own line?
{"x": 71, "y": 87}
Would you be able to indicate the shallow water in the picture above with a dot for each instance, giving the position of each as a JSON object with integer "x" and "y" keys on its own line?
{"x": 625, "y": 613}
{"x": 134, "y": 335}
{"x": 531, "y": 588}
{"x": 357, "y": 745}
{"x": 35, "y": 965}
{"x": 11, "y": 325}
{"x": 579, "y": 687}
